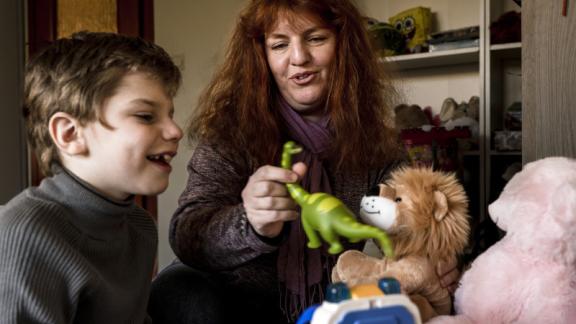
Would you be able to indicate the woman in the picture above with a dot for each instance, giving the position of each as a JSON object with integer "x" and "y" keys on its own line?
{"x": 299, "y": 70}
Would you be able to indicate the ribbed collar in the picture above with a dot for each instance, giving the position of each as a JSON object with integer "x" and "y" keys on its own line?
{"x": 93, "y": 213}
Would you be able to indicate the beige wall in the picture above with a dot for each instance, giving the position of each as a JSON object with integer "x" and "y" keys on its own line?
{"x": 194, "y": 33}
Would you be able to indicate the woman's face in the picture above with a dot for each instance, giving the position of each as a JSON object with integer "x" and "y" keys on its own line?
{"x": 300, "y": 52}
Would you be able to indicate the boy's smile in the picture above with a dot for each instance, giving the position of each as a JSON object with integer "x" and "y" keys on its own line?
{"x": 131, "y": 152}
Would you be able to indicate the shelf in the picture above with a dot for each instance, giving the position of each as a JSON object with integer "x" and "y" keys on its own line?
{"x": 505, "y": 153}
{"x": 506, "y": 46}
{"x": 434, "y": 59}
{"x": 508, "y": 50}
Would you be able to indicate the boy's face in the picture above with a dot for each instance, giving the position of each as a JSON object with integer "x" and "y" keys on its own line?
{"x": 133, "y": 157}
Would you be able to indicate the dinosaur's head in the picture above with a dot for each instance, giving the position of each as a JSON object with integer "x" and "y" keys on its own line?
{"x": 292, "y": 148}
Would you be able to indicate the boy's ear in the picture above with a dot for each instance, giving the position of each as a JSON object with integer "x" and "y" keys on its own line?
{"x": 67, "y": 134}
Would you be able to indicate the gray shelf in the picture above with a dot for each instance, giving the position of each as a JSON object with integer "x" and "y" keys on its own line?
{"x": 505, "y": 153}
{"x": 434, "y": 59}
{"x": 507, "y": 51}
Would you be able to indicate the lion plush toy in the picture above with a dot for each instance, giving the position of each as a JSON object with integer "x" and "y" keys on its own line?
{"x": 425, "y": 213}
{"x": 529, "y": 276}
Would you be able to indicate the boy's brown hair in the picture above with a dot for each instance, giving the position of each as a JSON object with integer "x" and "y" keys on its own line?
{"x": 76, "y": 74}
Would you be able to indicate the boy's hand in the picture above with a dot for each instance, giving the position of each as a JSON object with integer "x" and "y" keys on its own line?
{"x": 449, "y": 274}
{"x": 266, "y": 200}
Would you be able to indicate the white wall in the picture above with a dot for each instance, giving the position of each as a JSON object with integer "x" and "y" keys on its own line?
{"x": 195, "y": 34}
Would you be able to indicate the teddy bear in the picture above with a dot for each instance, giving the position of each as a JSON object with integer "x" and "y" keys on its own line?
{"x": 425, "y": 214}
{"x": 465, "y": 114}
{"x": 529, "y": 275}
{"x": 410, "y": 116}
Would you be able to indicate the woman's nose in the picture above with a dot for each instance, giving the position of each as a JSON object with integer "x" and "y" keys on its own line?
{"x": 300, "y": 54}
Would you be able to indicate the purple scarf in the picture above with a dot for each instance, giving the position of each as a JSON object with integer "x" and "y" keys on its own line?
{"x": 301, "y": 271}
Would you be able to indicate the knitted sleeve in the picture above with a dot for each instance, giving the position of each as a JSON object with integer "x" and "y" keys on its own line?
{"x": 35, "y": 285}
{"x": 209, "y": 229}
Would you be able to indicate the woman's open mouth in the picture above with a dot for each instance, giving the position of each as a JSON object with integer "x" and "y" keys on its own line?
{"x": 302, "y": 78}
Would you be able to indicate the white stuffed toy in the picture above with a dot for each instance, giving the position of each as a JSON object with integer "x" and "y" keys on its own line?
{"x": 530, "y": 275}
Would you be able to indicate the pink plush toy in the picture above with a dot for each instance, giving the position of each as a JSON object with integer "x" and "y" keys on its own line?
{"x": 530, "y": 275}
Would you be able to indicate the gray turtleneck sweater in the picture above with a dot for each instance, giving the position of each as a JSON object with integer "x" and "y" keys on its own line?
{"x": 70, "y": 255}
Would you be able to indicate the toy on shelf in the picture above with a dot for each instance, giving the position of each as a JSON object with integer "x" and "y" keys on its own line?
{"x": 528, "y": 276}
{"x": 410, "y": 116}
{"x": 327, "y": 215}
{"x": 415, "y": 25}
{"x": 455, "y": 38}
{"x": 425, "y": 212}
{"x": 363, "y": 304}
{"x": 387, "y": 40}
{"x": 436, "y": 147}
{"x": 463, "y": 114}
{"x": 436, "y": 141}
{"x": 510, "y": 138}
{"x": 507, "y": 28}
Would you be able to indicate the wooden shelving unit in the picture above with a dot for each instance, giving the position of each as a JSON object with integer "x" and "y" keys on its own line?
{"x": 493, "y": 64}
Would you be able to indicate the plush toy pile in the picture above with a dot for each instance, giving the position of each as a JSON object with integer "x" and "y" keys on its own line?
{"x": 425, "y": 213}
{"x": 530, "y": 275}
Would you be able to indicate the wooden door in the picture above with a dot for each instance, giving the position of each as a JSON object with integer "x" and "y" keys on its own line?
{"x": 548, "y": 79}
{"x": 128, "y": 17}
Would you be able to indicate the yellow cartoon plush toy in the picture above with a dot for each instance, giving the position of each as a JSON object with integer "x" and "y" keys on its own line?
{"x": 415, "y": 25}
{"x": 425, "y": 213}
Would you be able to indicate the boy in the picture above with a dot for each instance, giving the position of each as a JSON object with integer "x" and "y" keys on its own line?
{"x": 76, "y": 249}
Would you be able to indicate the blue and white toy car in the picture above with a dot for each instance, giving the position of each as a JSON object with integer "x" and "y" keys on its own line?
{"x": 363, "y": 304}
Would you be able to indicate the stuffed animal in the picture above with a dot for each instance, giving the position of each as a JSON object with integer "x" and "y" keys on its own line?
{"x": 529, "y": 276}
{"x": 465, "y": 114}
{"x": 415, "y": 25}
{"x": 507, "y": 28}
{"x": 425, "y": 213}
{"x": 410, "y": 116}
{"x": 387, "y": 40}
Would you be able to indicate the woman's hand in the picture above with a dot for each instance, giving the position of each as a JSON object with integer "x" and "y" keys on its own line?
{"x": 449, "y": 274}
{"x": 266, "y": 200}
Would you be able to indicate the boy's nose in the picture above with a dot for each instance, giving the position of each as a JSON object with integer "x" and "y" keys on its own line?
{"x": 173, "y": 132}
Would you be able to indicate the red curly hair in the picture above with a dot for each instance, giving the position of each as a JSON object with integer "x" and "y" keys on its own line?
{"x": 239, "y": 106}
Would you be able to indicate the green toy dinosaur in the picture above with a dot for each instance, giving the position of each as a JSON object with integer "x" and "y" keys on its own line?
{"x": 328, "y": 215}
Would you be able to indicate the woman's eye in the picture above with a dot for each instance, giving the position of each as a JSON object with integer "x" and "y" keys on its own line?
{"x": 317, "y": 39}
{"x": 278, "y": 46}
{"x": 398, "y": 199}
{"x": 145, "y": 117}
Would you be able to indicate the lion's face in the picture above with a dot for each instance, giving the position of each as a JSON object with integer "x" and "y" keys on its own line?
{"x": 378, "y": 210}
{"x": 424, "y": 211}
